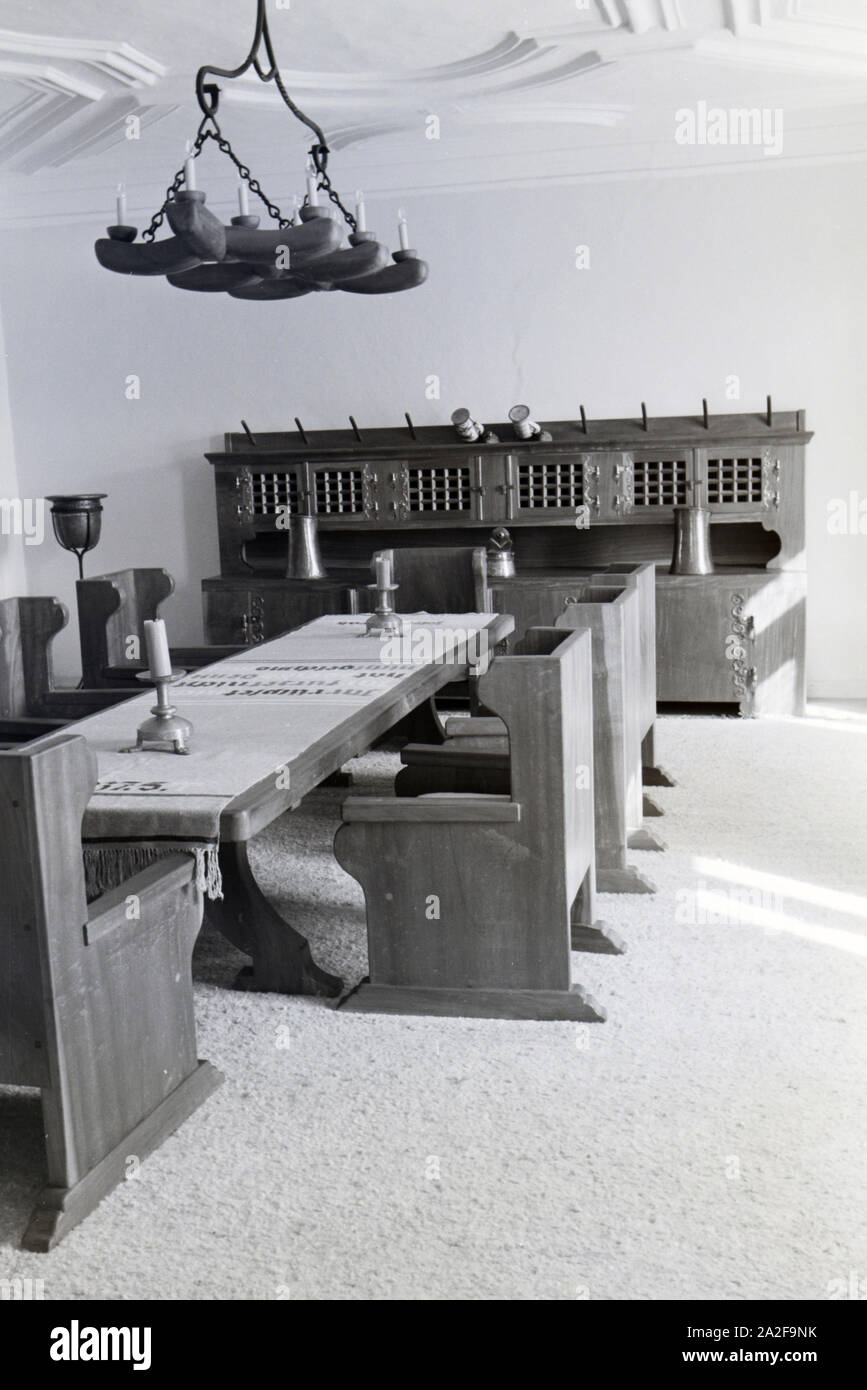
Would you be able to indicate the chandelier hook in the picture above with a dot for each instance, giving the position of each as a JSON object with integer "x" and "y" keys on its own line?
{"x": 208, "y": 98}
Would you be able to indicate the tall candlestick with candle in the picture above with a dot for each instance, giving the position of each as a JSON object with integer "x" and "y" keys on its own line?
{"x": 166, "y": 731}
{"x": 383, "y": 620}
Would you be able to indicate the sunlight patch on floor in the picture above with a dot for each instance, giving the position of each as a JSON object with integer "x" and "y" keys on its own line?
{"x": 817, "y": 894}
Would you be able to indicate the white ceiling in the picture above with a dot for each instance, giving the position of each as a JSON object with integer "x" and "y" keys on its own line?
{"x": 525, "y": 93}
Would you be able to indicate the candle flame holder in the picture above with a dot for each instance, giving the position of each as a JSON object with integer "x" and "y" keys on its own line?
{"x": 166, "y": 731}
{"x": 384, "y": 619}
{"x": 76, "y": 519}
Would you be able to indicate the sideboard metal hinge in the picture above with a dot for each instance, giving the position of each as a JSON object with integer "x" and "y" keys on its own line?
{"x": 770, "y": 482}
{"x": 743, "y": 630}
{"x": 244, "y": 486}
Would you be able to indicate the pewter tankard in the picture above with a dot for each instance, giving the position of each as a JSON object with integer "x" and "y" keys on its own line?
{"x": 691, "y": 541}
{"x": 304, "y": 560}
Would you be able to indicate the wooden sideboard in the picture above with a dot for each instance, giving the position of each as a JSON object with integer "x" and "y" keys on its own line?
{"x": 576, "y": 500}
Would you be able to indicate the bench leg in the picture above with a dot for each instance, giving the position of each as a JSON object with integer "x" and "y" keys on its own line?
{"x": 340, "y": 778}
{"x": 60, "y": 1208}
{"x": 651, "y": 775}
{"x": 625, "y": 879}
{"x": 642, "y": 839}
{"x": 573, "y": 1004}
{"x": 586, "y": 933}
{"x": 422, "y": 725}
{"x": 282, "y": 963}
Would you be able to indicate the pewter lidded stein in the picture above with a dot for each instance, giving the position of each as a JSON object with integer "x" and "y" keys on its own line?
{"x": 691, "y": 541}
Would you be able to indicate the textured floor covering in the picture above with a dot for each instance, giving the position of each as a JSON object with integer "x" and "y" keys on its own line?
{"x": 707, "y": 1141}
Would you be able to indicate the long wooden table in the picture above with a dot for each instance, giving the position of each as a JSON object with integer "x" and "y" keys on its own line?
{"x": 269, "y": 725}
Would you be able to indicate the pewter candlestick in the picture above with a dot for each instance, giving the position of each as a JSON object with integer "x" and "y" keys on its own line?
{"x": 384, "y": 619}
{"x": 167, "y": 731}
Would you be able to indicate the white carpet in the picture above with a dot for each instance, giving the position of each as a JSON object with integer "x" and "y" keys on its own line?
{"x": 707, "y": 1141}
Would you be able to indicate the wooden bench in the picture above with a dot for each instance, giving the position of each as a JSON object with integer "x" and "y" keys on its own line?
{"x": 536, "y": 596}
{"x": 614, "y": 617}
{"x": 640, "y": 710}
{"x": 99, "y": 1002}
{"x": 472, "y": 900}
{"x": 643, "y": 575}
{"x": 112, "y": 608}
{"x": 30, "y": 704}
{"x": 475, "y": 756}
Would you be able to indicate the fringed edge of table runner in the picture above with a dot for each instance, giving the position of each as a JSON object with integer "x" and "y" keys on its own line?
{"x": 108, "y": 866}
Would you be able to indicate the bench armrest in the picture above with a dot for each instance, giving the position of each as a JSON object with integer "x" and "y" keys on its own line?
{"x": 23, "y": 727}
{"x": 108, "y": 912}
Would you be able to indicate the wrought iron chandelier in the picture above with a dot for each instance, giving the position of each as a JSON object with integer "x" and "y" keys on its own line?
{"x": 301, "y": 254}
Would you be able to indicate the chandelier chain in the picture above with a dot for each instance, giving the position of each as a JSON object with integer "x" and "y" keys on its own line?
{"x": 319, "y": 155}
{"x": 177, "y": 182}
{"x": 207, "y": 95}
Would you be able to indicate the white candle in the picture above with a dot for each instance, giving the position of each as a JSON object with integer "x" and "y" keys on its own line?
{"x": 403, "y": 231}
{"x": 383, "y": 571}
{"x": 121, "y": 205}
{"x": 243, "y": 200}
{"x": 312, "y": 191}
{"x": 360, "y": 215}
{"x": 157, "y": 643}
{"x": 190, "y": 173}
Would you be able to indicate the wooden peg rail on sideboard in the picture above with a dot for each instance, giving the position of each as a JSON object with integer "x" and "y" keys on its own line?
{"x": 582, "y": 499}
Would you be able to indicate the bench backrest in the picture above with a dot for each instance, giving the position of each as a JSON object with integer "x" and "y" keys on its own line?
{"x": 437, "y": 579}
{"x": 643, "y": 575}
{"x": 28, "y": 627}
{"x": 111, "y": 609}
{"x": 43, "y": 793}
{"x": 612, "y": 615}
